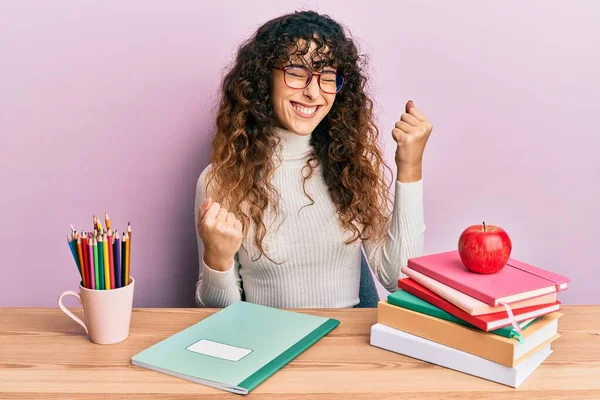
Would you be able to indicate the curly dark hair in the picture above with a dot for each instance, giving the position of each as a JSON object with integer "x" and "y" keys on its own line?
{"x": 345, "y": 143}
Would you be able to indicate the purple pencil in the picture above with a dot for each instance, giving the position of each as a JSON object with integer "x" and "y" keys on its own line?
{"x": 117, "y": 255}
{"x": 91, "y": 263}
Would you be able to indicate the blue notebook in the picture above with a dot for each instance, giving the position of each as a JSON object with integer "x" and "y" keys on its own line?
{"x": 236, "y": 348}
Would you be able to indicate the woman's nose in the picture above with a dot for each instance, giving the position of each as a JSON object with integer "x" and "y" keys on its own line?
{"x": 312, "y": 90}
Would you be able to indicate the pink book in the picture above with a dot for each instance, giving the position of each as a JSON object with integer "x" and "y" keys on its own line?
{"x": 517, "y": 281}
{"x": 468, "y": 304}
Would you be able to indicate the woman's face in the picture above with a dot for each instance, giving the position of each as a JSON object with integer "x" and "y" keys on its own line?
{"x": 300, "y": 110}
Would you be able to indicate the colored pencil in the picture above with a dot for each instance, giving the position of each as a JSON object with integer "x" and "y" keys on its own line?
{"x": 111, "y": 265}
{"x": 96, "y": 264}
{"x": 99, "y": 224}
{"x": 127, "y": 258}
{"x": 106, "y": 262}
{"x": 128, "y": 250}
{"x": 72, "y": 245}
{"x": 102, "y": 256}
{"x": 80, "y": 255}
{"x": 77, "y": 256}
{"x": 107, "y": 221}
{"x": 86, "y": 261}
{"x": 91, "y": 260}
{"x": 100, "y": 245}
{"x": 124, "y": 260}
{"x": 118, "y": 273}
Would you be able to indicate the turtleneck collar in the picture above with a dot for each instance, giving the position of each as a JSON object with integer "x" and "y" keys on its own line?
{"x": 293, "y": 146}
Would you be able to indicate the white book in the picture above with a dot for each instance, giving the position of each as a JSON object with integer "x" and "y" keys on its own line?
{"x": 416, "y": 347}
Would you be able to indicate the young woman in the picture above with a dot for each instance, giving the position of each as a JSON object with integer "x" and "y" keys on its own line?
{"x": 296, "y": 183}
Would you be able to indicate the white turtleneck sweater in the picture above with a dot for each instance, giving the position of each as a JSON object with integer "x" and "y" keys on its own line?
{"x": 319, "y": 270}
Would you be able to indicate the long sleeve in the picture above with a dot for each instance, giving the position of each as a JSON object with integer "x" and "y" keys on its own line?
{"x": 214, "y": 288}
{"x": 405, "y": 238}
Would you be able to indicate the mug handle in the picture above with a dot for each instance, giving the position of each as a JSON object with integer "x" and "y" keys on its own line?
{"x": 66, "y": 310}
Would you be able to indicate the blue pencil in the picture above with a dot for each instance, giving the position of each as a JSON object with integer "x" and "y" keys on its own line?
{"x": 117, "y": 253}
{"x": 72, "y": 245}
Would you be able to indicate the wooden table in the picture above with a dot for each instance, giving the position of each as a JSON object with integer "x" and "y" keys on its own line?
{"x": 46, "y": 355}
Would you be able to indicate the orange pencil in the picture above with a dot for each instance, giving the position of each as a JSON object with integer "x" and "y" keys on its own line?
{"x": 107, "y": 220}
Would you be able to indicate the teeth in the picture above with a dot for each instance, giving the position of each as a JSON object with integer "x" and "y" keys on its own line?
{"x": 304, "y": 110}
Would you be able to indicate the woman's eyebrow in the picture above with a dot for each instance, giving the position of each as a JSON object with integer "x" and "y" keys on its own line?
{"x": 325, "y": 69}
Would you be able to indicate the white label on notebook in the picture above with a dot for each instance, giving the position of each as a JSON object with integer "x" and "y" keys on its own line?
{"x": 219, "y": 350}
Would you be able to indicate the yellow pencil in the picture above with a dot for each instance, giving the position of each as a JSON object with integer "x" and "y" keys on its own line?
{"x": 127, "y": 249}
{"x": 100, "y": 228}
{"x": 106, "y": 263}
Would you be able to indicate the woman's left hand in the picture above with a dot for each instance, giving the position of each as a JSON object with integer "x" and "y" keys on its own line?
{"x": 411, "y": 134}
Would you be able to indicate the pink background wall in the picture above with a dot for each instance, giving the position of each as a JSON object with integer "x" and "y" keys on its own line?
{"x": 109, "y": 106}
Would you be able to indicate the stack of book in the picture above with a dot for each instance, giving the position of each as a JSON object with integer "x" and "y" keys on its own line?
{"x": 497, "y": 326}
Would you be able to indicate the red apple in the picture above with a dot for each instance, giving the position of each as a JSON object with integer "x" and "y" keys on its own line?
{"x": 484, "y": 249}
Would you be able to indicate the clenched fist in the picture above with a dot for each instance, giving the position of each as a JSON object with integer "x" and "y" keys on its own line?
{"x": 221, "y": 233}
{"x": 411, "y": 133}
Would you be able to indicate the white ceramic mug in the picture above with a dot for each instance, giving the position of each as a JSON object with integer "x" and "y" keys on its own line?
{"x": 107, "y": 313}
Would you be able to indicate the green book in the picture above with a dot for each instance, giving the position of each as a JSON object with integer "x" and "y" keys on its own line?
{"x": 236, "y": 348}
{"x": 404, "y": 299}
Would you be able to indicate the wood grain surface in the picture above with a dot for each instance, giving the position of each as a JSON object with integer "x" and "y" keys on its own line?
{"x": 46, "y": 355}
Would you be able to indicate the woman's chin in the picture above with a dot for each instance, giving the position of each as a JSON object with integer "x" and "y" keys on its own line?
{"x": 303, "y": 127}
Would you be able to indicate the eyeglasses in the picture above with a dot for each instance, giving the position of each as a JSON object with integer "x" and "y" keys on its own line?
{"x": 299, "y": 77}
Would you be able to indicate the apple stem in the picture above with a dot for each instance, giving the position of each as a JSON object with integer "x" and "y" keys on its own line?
{"x": 484, "y": 226}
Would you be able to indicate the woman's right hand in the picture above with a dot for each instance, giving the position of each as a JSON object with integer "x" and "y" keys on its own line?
{"x": 221, "y": 233}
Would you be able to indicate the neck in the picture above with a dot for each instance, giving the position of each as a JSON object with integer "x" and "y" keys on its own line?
{"x": 293, "y": 146}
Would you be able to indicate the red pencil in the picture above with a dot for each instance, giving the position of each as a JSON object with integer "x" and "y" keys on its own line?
{"x": 84, "y": 251}
{"x": 80, "y": 258}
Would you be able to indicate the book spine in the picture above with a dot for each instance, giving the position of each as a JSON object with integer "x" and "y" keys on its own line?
{"x": 433, "y": 274}
{"x": 294, "y": 351}
{"x": 482, "y": 344}
{"x": 438, "y": 313}
{"x": 424, "y": 280}
{"x": 456, "y": 360}
{"x": 457, "y": 312}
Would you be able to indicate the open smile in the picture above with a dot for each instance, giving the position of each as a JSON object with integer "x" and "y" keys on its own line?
{"x": 305, "y": 111}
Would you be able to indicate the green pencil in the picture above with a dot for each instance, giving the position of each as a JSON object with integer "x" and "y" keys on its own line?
{"x": 96, "y": 273}
{"x": 101, "y": 259}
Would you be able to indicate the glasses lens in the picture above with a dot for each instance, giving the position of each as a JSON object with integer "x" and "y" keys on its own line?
{"x": 339, "y": 82}
{"x": 296, "y": 77}
{"x": 329, "y": 82}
